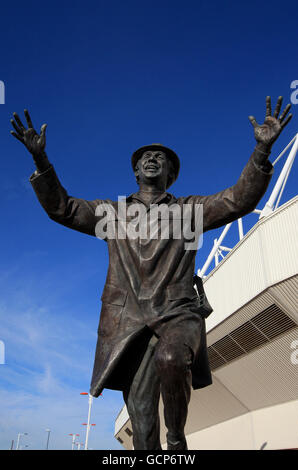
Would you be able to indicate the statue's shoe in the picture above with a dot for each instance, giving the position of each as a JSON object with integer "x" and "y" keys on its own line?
{"x": 179, "y": 444}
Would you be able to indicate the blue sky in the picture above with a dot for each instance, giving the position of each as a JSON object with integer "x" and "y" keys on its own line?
{"x": 107, "y": 78}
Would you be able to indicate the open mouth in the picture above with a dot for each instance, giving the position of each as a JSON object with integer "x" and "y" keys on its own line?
{"x": 151, "y": 167}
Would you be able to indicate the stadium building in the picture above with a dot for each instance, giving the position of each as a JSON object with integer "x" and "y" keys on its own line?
{"x": 252, "y": 337}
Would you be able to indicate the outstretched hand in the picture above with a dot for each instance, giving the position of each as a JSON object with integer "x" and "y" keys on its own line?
{"x": 267, "y": 133}
{"x": 34, "y": 142}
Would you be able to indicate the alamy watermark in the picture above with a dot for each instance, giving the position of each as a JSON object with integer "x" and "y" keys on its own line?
{"x": 2, "y": 352}
{"x": 294, "y": 94}
{"x": 2, "y": 92}
{"x": 294, "y": 355}
{"x": 158, "y": 222}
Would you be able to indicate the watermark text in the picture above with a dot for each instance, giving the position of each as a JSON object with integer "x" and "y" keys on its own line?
{"x": 294, "y": 94}
{"x": 294, "y": 355}
{"x": 158, "y": 222}
{"x": 2, "y": 92}
{"x": 2, "y": 352}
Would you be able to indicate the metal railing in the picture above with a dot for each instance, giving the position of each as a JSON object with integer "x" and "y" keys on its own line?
{"x": 270, "y": 206}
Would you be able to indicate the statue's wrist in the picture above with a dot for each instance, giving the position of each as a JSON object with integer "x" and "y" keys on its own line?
{"x": 261, "y": 153}
{"x": 41, "y": 161}
{"x": 263, "y": 148}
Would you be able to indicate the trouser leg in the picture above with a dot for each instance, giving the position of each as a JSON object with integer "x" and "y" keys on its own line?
{"x": 173, "y": 361}
{"x": 142, "y": 401}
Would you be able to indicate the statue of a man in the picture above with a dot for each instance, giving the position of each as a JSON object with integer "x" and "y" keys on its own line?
{"x": 151, "y": 335}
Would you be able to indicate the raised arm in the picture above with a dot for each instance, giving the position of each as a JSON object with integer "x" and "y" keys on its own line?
{"x": 72, "y": 212}
{"x": 238, "y": 200}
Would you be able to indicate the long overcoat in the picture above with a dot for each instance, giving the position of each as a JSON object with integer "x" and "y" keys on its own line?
{"x": 150, "y": 280}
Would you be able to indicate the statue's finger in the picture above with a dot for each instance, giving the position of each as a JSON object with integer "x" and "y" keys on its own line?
{"x": 16, "y": 127}
{"x": 285, "y": 112}
{"x": 268, "y": 106}
{"x": 43, "y": 130}
{"x": 253, "y": 121}
{"x": 283, "y": 124}
{"x": 17, "y": 136}
{"x": 278, "y": 106}
{"x": 18, "y": 121}
{"x": 28, "y": 118}
{"x": 43, "y": 134}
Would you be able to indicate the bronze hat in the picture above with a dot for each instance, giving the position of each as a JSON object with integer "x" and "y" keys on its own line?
{"x": 170, "y": 154}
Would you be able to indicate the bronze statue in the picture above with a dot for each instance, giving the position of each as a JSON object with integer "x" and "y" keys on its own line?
{"x": 151, "y": 336}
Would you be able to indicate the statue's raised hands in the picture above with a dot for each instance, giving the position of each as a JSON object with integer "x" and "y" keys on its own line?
{"x": 33, "y": 141}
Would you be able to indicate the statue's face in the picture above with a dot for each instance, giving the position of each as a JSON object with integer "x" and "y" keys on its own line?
{"x": 153, "y": 166}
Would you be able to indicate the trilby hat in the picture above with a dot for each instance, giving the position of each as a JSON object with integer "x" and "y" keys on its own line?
{"x": 169, "y": 152}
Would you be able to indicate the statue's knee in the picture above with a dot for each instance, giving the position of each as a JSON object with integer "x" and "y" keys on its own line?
{"x": 169, "y": 359}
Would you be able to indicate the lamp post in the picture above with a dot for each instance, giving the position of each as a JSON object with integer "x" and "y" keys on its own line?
{"x": 19, "y": 437}
{"x": 89, "y": 416}
{"x": 49, "y": 432}
{"x": 73, "y": 440}
{"x": 87, "y": 432}
{"x": 79, "y": 445}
